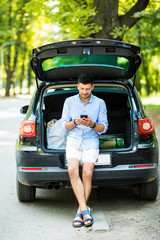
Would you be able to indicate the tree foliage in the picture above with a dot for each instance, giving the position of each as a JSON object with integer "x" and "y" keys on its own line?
{"x": 29, "y": 23}
{"x": 14, "y": 23}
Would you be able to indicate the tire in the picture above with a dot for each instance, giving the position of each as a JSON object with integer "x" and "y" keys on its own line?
{"x": 149, "y": 191}
{"x": 25, "y": 193}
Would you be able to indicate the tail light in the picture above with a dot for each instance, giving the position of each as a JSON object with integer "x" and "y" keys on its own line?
{"x": 28, "y": 129}
{"x": 145, "y": 125}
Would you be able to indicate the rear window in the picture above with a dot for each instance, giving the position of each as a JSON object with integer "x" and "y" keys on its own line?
{"x": 75, "y": 60}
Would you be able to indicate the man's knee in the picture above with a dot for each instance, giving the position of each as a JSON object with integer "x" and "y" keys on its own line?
{"x": 73, "y": 169}
{"x": 87, "y": 173}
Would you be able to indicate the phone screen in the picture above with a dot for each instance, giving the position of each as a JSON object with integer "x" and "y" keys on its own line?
{"x": 84, "y": 116}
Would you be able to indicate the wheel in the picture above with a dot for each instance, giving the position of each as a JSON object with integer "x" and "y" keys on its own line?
{"x": 25, "y": 193}
{"x": 149, "y": 191}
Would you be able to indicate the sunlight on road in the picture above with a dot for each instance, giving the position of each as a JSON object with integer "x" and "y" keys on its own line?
{"x": 151, "y": 100}
{"x": 7, "y": 114}
{"x": 7, "y": 139}
{"x": 7, "y": 144}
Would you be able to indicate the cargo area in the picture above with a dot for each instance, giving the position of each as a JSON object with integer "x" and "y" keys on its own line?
{"x": 119, "y": 112}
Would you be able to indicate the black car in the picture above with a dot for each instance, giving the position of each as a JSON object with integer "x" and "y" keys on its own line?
{"x": 128, "y": 150}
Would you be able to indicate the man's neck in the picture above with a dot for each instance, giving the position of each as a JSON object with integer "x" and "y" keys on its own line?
{"x": 85, "y": 100}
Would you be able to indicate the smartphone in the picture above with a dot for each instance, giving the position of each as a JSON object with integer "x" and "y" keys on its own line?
{"x": 83, "y": 116}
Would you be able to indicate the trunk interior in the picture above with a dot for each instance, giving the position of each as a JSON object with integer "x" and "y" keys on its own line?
{"x": 119, "y": 112}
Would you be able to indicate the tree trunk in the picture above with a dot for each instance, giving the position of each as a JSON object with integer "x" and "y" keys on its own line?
{"x": 10, "y": 66}
{"x": 21, "y": 78}
{"x": 138, "y": 84}
{"x": 9, "y": 70}
{"x": 144, "y": 62}
{"x": 145, "y": 72}
{"x": 107, "y": 16}
{"x": 8, "y": 57}
{"x": 22, "y": 75}
{"x": 29, "y": 73}
{"x": 8, "y": 84}
{"x": 157, "y": 82}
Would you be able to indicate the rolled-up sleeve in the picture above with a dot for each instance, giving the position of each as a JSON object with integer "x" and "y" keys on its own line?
{"x": 65, "y": 114}
{"x": 102, "y": 119}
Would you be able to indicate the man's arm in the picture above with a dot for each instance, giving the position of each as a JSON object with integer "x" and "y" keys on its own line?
{"x": 86, "y": 122}
{"x": 70, "y": 125}
{"x": 78, "y": 121}
{"x": 89, "y": 123}
{"x": 67, "y": 123}
{"x": 98, "y": 127}
{"x": 102, "y": 125}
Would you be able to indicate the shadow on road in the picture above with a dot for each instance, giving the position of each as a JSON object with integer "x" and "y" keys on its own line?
{"x": 100, "y": 195}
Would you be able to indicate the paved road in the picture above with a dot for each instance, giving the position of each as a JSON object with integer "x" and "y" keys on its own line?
{"x": 50, "y": 216}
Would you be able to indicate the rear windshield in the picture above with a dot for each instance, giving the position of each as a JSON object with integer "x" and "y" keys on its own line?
{"x": 100, "y": 60}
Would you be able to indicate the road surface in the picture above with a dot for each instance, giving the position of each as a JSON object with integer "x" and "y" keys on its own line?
{"x": 50, "y": 216}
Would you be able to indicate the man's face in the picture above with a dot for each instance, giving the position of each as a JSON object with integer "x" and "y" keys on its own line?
{"x": 85, "y": 90}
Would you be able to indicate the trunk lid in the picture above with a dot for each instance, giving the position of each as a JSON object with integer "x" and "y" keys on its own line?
{"x": 104, "y": 59}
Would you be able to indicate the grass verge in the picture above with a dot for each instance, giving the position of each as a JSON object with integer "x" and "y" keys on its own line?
{"x": 152, "y": 107}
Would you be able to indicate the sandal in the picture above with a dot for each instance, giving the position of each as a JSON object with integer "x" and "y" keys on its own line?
{"x": 87, "y": 219}
{"x": 78, "y": 221}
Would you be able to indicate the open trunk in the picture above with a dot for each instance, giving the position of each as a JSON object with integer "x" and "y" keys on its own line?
{"x": 119, "y": 111}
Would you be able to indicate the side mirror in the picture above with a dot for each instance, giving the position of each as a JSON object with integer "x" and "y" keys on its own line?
{"x": 24, "y": 109}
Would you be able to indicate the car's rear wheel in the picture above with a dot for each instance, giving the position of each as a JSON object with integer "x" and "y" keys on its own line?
{"x": 25, "y": 193}
{"x": 149, "y": 191}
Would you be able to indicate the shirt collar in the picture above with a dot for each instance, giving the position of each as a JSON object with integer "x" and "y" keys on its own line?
{"x": 90, "y": 100}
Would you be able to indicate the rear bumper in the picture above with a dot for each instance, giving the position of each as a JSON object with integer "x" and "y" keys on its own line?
{"x": 46, "y": 168}
{"x": 119, "y": 175}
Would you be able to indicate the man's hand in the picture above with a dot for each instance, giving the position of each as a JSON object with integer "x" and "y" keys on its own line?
{"x": 79, "y": 121}
{"x": 84, "y": 121}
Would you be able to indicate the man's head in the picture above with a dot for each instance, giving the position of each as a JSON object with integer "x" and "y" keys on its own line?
{"x": 85, "y": 78}
{"x": 85, "y": 86}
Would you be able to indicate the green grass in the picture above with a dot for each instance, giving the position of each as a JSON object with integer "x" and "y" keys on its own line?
{"x": 152, "y": 107}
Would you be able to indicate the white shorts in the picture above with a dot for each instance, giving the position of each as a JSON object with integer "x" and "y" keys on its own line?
{"x": 84, "y": 155}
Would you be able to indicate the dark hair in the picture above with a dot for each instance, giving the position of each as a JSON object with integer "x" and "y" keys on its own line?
{"x": 85, "y": 78}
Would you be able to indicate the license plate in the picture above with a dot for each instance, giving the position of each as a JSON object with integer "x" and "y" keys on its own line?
{"x": 103, "y": 159}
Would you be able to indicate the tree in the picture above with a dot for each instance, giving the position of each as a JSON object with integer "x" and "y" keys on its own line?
{"x": 90, "y": 18}
{"x": 30, "y": 23}
{"x": 24, "y": 28}
{"x": 118, "y": 19}
{"x": 15, "y": 21}
{"x": 108, "y": 18}
{"x": 96, "y": 18}
{"x": 148, "y": 40}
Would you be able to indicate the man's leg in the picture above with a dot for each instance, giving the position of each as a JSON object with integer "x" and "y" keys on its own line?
{"x": 87, "y": 178}
{"x": 87, "y": 182}
{"x": 89, "y": 156}
{"x": 77, "y": 185}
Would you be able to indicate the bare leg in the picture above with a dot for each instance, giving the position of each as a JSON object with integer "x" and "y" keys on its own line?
{"x": 87, "y": 182}
{"x": 77, "y": 185}
{"x": 87, "y": 178}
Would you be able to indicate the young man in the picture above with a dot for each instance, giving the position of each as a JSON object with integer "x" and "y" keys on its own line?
{"x": 84, "y": 116}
